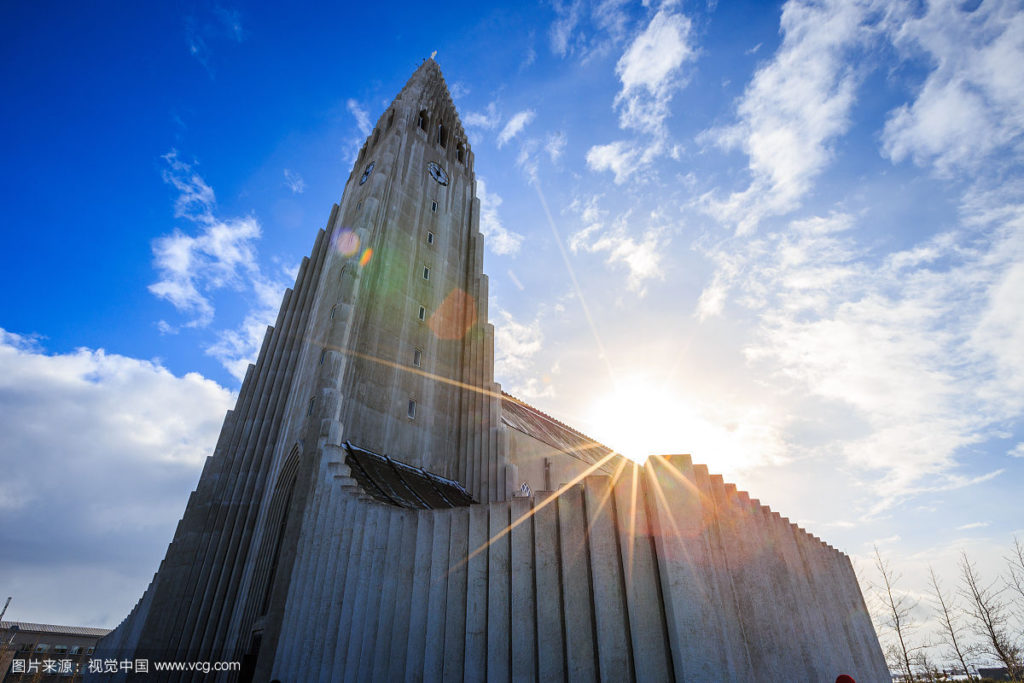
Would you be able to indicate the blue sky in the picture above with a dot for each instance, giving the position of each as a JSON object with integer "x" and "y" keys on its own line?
{"x": 787, "y": 238}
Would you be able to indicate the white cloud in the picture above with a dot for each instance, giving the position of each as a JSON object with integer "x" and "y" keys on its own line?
{"x": 487, "y": 119}
{"x": 641, "y": 254}
{"x": 922, "y": 347}
{"x": 562, "y": 29}
{"x": 649, "y": 71}
{"x": 793, "y": 108}
{"x": 498, "y": 238}
{"x": 972, "y": 102}
{"x": 1017, "y": 451}
{"x": 515, "y": 345}
{"x": 362, "y": 118}
{"x": 972, "y": 525}
{"x": 619, "y": 157}
{"x": 294, "y": 182}
{"x": 555, "y": 145}
{"x": 218, "y": 256}
{"x": 222, "y": 254}
{"x": 458, "y": 90}
{"x": 515, "y": 125}
{"x": 99, "y": 452}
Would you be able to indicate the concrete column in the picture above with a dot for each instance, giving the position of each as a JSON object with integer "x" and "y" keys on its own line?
{"x": 577, "y": 597}
{"x": 648, "y": 634}
{"x": 614, "y": 654}
{"x": 550, "y": 626}
{"x": 455, "y": 606}
{"x": 476, "y": 595}
{"x": 499, "y": 651}
{"x": 524, "y": 607}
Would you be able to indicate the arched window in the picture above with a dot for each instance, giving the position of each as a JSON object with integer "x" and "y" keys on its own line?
{"x": 391, "y": 118}
{"x": 442, "y": 135}
{"x": 422, "y": 122}
{"x": 460, "y": 152}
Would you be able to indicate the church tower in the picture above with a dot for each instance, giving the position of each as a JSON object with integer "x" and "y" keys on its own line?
{"x": 377, "y": 509}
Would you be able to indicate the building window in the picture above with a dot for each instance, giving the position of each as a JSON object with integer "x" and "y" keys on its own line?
{"x": 460, "y": 152}
{"x": 391, "y": 118}
{"x": 422, "y": 122}
{"x": 426, "y": 273}
{"x": 430, "y": 238}
{"x": 412, "y": 409}
{"x": 42, "y": 647}
{"x": 60, "y": 649}
{"x": 359, "y": 205}
{"x": 75, "y": 650}
{"x": 423, "y": 313}
{"x": 333, "y": 309}
{"x": 323, "y": 354}
{"x": 417, "y": 357}
{"x": 442, "y": 136}
{"x": 309, "y": 411}
{"x": 433, "y": 206}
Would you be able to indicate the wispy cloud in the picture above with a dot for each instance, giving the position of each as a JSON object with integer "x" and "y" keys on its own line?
{"x": 294, "y": 181}
{"x": 568, "y": 15}
{"x": 972, "y": 102}
{"x": 515, "y": 125}
{"x": 650, "y": 71}
{"x": 515, "y": 346}
{"x": 222, "y": 253}
{"x": 794, "y": 107}
{"x": 219, "y": 255}
{"x": 641, "y": 253}
{"x": 362, "y": 118}
{"x": 487, "y": 119}
{"x": 902, "y": 343}
{"x": 555, "y": 145}
{"x": 498, "y": 238}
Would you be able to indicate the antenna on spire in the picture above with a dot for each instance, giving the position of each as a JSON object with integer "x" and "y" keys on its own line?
{"x": 433, "y": 54}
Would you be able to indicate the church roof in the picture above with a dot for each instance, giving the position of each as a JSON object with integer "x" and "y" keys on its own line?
{"x": 524, "y": 418}
{"x": 396, "y": 483}
{"x": 29, "y": 627}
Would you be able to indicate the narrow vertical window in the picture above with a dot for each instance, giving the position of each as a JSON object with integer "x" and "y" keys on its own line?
{"x": 323, "y": 354}
{"x": 412, "y": 409}
{"x": 391, "y": 118}
{"x": 430, "y": 238}
{"x": 433, "y": 206}
{"x": 312, "y": 402}
{"x": 333, "y": 309}
{"x": 423, "y": 313}
{"x": 426, "y": 273}
{"x": 417, "y": 357}
{"x": 460, "y": 152}
{"x": 442, "y": 136}
{"x": 422, "y": 121}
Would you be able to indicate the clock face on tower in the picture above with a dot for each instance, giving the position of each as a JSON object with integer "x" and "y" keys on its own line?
{"x": 437, "y": 173}
{"x": 366, "y": 173}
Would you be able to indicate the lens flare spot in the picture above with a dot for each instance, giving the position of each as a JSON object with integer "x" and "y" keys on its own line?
{"x": 455, "y": 316}
{"x": 346, "y": 242}
{"x": 365, "y": 258}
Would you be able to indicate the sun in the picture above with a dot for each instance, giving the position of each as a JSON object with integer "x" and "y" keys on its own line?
{"x": 643, "y": 417}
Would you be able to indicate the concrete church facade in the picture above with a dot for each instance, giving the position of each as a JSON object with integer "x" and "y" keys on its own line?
{"x": 364, "y": 514}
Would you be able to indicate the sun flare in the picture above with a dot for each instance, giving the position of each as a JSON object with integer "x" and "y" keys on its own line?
{"x": 642, "y": 417}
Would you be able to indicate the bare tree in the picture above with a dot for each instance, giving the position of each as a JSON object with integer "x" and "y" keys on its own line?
{"x": 949, "y": 628}
{"x": 1016, "y": 582}
{"x": 901, "y": 654}
{"x": 990, "y": 613}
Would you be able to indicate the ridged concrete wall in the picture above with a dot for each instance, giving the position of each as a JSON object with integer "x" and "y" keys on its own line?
{"x": 657, "y": 573}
